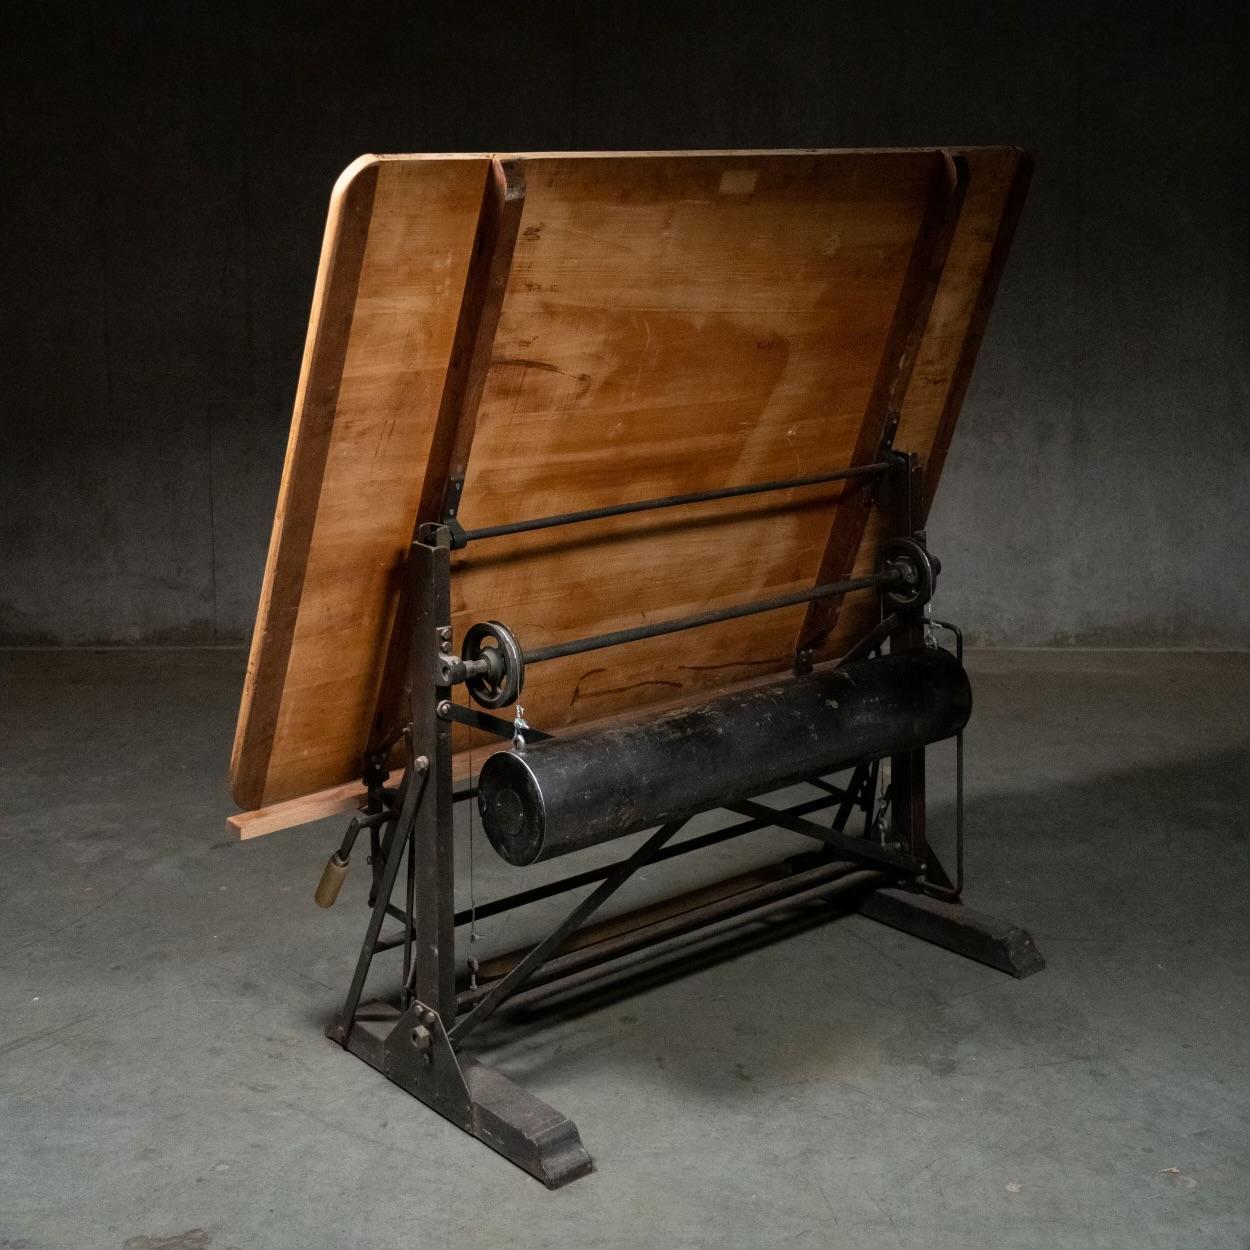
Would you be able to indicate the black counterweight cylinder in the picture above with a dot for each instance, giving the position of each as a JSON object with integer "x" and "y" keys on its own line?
{"x": 568, "y": 793}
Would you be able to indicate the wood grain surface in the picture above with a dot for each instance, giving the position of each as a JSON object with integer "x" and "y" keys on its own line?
{"x": 671, "y": 322}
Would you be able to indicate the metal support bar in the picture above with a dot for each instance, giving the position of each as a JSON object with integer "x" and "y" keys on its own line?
{"x": 483, "y": 911}
{"x": 958, "y": 887}
{"x": 671, "y": 501}
{"x": 434, "y": 978}
{"x": 518, "y": 976}
{"x": 392, "y": 852}
{"x": 597, "y": 642}
{"x": 857, "y": 848}
{"x": 816, "y": 882}
{"x": 857, "y": 794}
{"x": 488, "y": 724}
{"x": 907, "y": 793}
{"x": 871, "y": 640}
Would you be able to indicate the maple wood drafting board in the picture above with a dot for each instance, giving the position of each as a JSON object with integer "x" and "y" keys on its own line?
{"x": 567, "y": 331}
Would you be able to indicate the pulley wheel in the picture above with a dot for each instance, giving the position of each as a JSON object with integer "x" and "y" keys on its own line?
{"x": 501, "y": 683}
{"x": 917, "y": 574}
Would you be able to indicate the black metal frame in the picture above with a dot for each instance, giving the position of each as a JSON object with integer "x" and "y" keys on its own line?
{"x": 888, "y": 870}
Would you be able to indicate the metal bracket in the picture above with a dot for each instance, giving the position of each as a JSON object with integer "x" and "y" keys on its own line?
{"x": 880, "y": 489}
{"x": 474, "y": 1097}
{"x": 418, "y": 1056}
{"x": 451, "y": 500}
{"x": 459, "y": 535}
{"x": 489, "y": 724}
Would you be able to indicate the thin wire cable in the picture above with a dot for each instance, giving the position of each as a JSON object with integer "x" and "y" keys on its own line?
{"x": 473, "y": 934}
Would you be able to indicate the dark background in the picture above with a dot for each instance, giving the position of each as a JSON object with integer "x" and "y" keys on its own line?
{"x": 167, "y": 168}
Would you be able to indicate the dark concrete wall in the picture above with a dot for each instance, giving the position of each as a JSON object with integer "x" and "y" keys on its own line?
{"x": 167, "y": 169}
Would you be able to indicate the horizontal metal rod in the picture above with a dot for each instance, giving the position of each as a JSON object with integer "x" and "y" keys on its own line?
{"x": 801, "y": 887}
{"x": 487, "y": 724}
{"x": 597, "y": 642}
{"x": 591, "y": 875}
{"x": 495, "y": 907}
{"x": 844, "y": 843}
{"x": 675, "y": 501}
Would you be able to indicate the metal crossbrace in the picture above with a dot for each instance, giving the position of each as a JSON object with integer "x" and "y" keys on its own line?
{"x": 521, "y": 973}
{"x": 859, "y": 792}
{"x": 856, "y": 848}
{"x": 398, "y": 832}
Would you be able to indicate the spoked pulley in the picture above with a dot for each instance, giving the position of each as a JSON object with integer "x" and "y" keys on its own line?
{"x": 914, "y": 574}
{"x": 493, "y": 663}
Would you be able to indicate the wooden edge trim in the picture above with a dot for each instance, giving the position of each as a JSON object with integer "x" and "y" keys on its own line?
{"x": 961, "y": 376}
{"x": 316, "y": 400}
{"x": 346, "y": 797}
{"x": 308, "y": 807}
{"x": 481, "y": 304}
{"x": 464, "y": 764}
{"x": 898, "y": 357}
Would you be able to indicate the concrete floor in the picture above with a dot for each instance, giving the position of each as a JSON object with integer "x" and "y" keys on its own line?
{"x": 164, "y": 1081}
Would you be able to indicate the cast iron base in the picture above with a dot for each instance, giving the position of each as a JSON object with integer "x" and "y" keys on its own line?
{"x": 476, "y": 1098}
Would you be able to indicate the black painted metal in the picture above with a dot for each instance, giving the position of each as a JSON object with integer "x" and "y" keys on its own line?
{"x": 907, "y": 772}
{"x": 411, "y": 1044}
{"x": 973, "y": 934}
{"x": 676, "y": 625}
{"x": 603, "y": 785}
{"x": 393, "y": 842}
{"x": 876, "y": 469}
{"x": 575, "y": 792}
{"x": 820, "y": 881}
{"x": 511, "y": 983}
{"x": 495, "y": 907}
{"x": 488, "y": 724}
{"x": 958, "y": 885}
{"x": 434, "y": 979}
{"x": 845, "y": 844}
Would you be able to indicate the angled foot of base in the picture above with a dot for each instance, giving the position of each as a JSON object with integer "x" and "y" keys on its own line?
{"x": 477, "y": 1098}
{"x": 987, "y": 939}
{"x": 525, "y": 1129}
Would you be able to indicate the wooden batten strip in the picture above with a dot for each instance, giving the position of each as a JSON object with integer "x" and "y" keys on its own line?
{"x": 961, "y": 375}
{"x": 309, "y": 807}
{"x": 911, "y": 316}
{"x": 503, "y": 201}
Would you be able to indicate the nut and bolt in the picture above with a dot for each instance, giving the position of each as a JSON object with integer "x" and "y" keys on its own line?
{"x": 423, "y": 1040}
